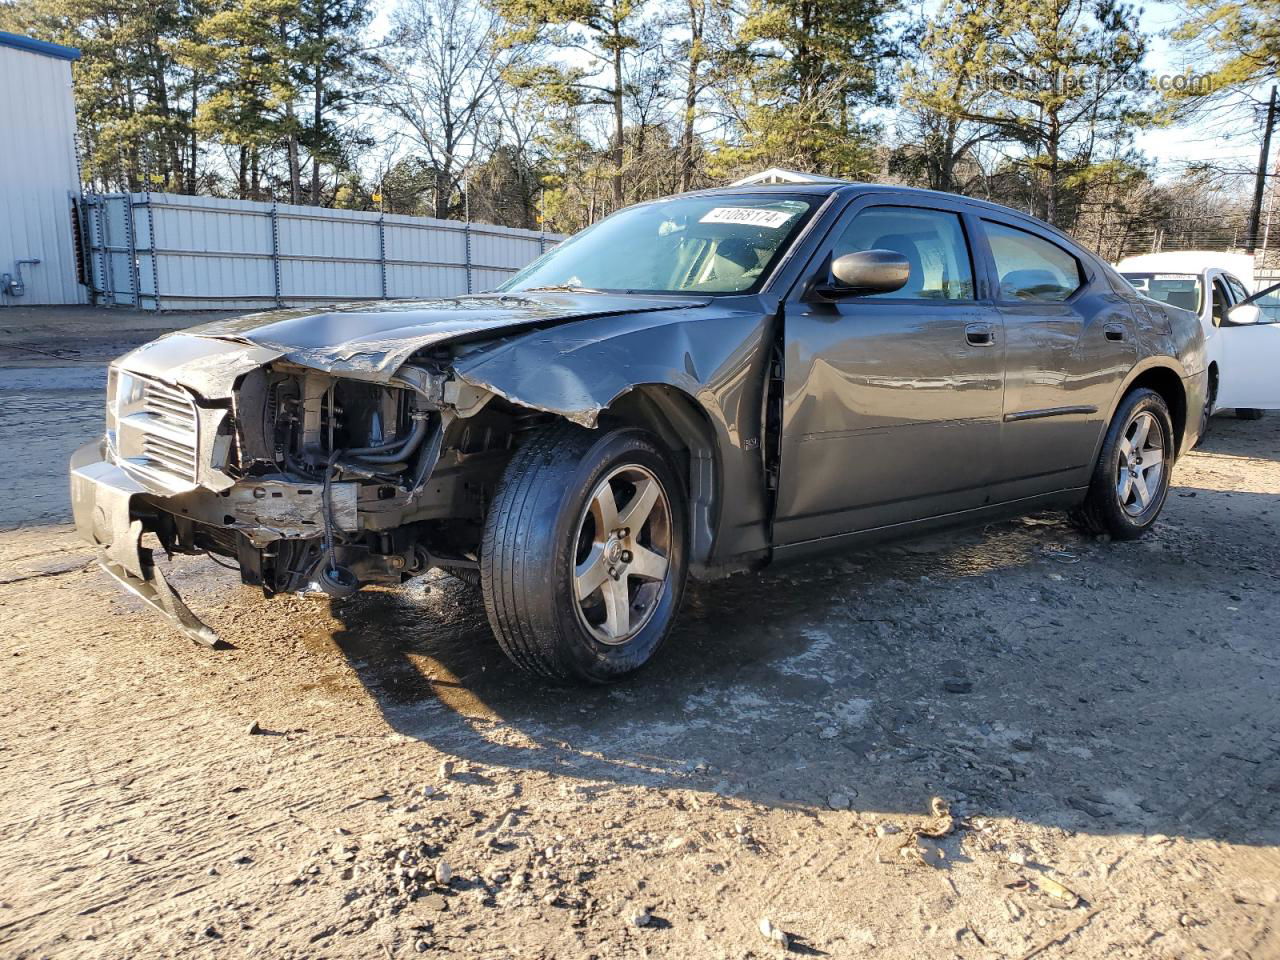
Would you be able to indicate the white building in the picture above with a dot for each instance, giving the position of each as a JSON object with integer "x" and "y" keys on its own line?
{"x": 39, "y": 174}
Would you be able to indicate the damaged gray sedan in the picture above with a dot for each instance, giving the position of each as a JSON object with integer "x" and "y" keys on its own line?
{"x": 699, "y": 385}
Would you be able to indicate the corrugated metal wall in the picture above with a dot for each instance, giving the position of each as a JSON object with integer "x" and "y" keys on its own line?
{"x": 38, "y": 176}
{"x": 175, "y": 252}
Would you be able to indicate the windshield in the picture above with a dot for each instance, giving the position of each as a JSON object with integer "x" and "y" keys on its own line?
{"x": 1176, "y": 289}
{"x": 716, "y": 245}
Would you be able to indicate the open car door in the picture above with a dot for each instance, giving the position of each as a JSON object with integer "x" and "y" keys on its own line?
{"x": 1249, "y": 375}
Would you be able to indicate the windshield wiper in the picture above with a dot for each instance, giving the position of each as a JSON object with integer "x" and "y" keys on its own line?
{"x": 560, "y": 288}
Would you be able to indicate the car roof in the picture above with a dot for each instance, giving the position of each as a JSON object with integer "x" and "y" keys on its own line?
{"x": 1190, "y": 261}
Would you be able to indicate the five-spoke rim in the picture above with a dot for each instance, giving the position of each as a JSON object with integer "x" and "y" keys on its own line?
{"x": 1141, "y": 465}
{"x": 622, "y": 561}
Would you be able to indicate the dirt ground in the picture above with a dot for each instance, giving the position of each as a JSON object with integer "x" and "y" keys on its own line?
{"x": 371, "y": 779}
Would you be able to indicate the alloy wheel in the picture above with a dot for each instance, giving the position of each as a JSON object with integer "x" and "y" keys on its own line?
{"x": 1140, "y": 469}
{"x": 622, "y": 562}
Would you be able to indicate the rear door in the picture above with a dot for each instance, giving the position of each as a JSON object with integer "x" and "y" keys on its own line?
{"x": 1069, "y": 339}
{"x": 891, "y": 402}
{"x": 1249, "y": 372}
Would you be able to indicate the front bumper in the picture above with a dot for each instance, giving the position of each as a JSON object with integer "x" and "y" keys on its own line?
{"x": 102, "y": 502}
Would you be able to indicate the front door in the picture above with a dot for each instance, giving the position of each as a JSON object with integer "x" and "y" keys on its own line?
{"x": 1249, "y": 374}
{"x": 892, "y": 402}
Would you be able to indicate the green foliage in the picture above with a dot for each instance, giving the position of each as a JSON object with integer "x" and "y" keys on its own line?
{"x": 943, "y": 87}
{"x": 162, "y": 81}
{"x": 802, "y": 76}
{"x": 604, "y": 33}
{"x": 128, "y": 82}
{"x": 1050, "y": 79}
{"x": 244, "y": 48}
{"x": 1241, "y": 37}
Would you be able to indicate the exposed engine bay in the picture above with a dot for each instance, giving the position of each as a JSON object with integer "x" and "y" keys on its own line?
{"x": 339, "y": 482}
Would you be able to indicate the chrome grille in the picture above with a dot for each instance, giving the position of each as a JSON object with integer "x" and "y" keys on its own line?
{"x": 170, "y": 405}
{"x": 177, "y": 458}
{"x": 161, "y": 437}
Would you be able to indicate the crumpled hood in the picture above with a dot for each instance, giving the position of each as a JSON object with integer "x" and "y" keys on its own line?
{"x": 364, "y": 341}
{"x": 372, "y": 340}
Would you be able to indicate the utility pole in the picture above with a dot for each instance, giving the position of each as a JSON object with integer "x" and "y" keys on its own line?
{"x": 1260, "y": 184}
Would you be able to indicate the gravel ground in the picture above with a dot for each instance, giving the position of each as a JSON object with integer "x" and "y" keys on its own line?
{"x": 1008, "y": 742}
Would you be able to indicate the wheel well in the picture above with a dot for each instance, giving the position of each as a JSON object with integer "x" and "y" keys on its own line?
{"x": 686, "y": 432}
{"x": 1169, "y": 385}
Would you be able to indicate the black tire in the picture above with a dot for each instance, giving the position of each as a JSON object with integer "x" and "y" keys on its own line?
{"x": 533, "y": 539}
{"x": 1248, "y": 413}
{"x": 1103, "y": 511}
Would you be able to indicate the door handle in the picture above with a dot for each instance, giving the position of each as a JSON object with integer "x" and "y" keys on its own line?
{"x": 980, "y": 334}
{"x": 1115, "y": 331}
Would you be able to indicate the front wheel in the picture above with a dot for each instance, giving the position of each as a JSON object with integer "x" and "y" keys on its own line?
{"x": 1131, "y": 479}
{"x": 583, "y": 559}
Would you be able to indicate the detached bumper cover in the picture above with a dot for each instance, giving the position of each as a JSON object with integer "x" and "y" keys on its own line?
{"x": 101, "y": 501}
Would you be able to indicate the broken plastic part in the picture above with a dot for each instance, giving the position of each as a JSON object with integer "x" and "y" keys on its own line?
{"x": 156, "y": 593}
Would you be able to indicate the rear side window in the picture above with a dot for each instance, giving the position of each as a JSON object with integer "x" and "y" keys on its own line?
{"x": 1031, "y": 268}
{"x": 932, "y": 241}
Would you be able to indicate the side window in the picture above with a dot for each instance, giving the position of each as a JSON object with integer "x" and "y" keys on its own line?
{"x": 1221, "y": 303}
{"x": 933, "y": 242}
{"x": 1238, "y": 293}
{"x": 1269, "y": 303}
{"x": 1030, "y": 267}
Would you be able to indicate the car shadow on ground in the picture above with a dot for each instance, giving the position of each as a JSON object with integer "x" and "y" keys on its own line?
{"x": 1019, "y": 670}
{"x": 1231, "y": 437}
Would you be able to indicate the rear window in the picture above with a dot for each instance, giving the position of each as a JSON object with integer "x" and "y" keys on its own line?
{"x": 1176, "y": 289}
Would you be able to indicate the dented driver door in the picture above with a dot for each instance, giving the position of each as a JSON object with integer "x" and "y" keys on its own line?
{"x": 892, "y": 402}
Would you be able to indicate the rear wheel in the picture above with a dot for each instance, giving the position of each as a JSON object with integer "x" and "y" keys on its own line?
{"x": 1131, "y": 479}
{"x": 1248, "y": 413}
{"x": 583, "y": 560}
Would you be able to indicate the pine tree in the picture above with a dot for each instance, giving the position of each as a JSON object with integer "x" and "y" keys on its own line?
{"x": 1242, "y": 38}
{"x": 331, "y": 71}
{"x": 1072, "y": 78}
{"x": 945, "y": 82}
{"x": 244, "y": 47}
{"x": 604, "y": 33}
{"x": 132, "y": 95}
{"x": 806, "y": 73}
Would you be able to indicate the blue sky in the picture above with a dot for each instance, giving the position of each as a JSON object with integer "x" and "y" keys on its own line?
{"x": 1229, "y": 136}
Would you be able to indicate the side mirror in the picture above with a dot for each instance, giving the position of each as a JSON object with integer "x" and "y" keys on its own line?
{"x": 867, "y": 271}
{"x": 1244, "y": 315}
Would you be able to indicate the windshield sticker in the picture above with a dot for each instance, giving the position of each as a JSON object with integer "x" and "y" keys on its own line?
{"x": 1175, "y": 276}
{"x": 748, "y": 216}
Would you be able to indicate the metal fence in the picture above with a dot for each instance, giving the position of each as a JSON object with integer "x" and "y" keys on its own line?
{"x": 160, "y": 251}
